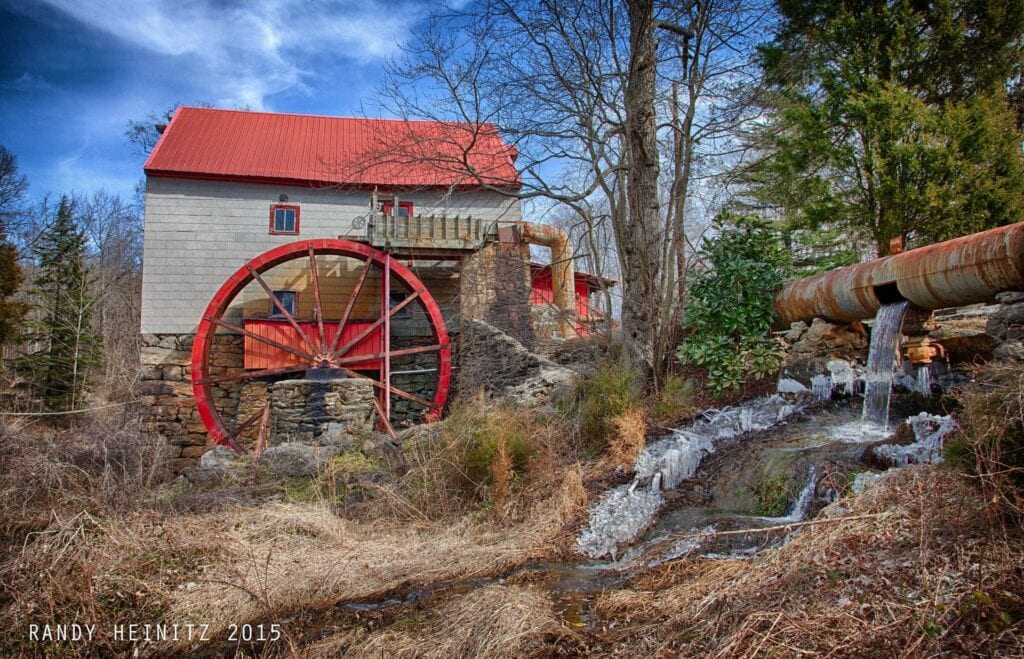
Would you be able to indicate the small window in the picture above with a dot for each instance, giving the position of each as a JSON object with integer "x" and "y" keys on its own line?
{"x": 288, "y": 299}
{"x": 405, "y": 313}
{"x": 405, "y": 208}
{"x": 284, "y": 219}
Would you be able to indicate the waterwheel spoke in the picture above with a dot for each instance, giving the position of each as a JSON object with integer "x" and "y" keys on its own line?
{"x": 263, "y": 339}
{"x": 355, "y": 359}
{"x": 248, "y": 375}
{"x": 242, "y": 427}
{"x": 350, "y": 305}
{"x": 395, "y": 390}
{"x": 377, "y": 323}
{"x": 318, "y": 309}
{"x": 280, "y": 307}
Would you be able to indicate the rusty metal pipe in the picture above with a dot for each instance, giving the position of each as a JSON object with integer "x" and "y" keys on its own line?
{"x": 954, "y": 273}
{"x": 563, "y": 275}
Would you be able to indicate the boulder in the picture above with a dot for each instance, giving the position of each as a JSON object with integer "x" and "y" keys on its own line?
{"x": 295, "y": 460}
{"x": 811, "y": 349}
{"x": 1007, "y": 323}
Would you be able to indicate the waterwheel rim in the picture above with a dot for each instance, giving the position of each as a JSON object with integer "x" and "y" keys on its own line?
{"x": 317, "y": 349}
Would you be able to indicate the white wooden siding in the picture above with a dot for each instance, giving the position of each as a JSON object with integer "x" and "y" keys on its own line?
{"x": 199, "y": 232}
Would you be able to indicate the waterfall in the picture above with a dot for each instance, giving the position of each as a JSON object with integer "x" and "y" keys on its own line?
{"x": 802, "y": 504}
{"x": 885, "y": 339}
{"x": 924, "y": 379}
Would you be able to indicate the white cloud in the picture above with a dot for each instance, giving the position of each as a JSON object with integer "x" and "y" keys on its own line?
{"x": 26, "y": 82}
{"x": 245, "y": 52}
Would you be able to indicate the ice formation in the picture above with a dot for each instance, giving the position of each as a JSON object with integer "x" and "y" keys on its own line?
{"x": 790, "y": 386}
{"x": 618, "y": 517}
{"x": 930, "y": 431}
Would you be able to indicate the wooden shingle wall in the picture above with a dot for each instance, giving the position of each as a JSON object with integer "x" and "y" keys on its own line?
{"x": 199, "y": 232}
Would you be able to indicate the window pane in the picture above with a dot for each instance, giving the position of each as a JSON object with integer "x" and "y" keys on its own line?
{"x": 287, "y": 300}
{"x": 284, "y": 220}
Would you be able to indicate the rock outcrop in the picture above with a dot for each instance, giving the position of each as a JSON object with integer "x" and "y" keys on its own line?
{"x": 811, "y": 348}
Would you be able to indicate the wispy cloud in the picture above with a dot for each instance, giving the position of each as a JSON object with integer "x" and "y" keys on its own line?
{"x": 26, "y": 82}
{"x": 245, "y": 52}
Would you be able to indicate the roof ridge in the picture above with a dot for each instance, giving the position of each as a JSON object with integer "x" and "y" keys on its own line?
{"x": 333, "y": 116}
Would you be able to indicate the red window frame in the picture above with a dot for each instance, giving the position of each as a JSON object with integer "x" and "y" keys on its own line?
{"x": 274, "y": 313}
{"x": 386, "y": 206}
{"x": 287, "y": 207}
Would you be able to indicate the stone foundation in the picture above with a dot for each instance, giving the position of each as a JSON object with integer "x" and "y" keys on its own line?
{"x": 495, "y": 290}
{"x": 303, "y": 410}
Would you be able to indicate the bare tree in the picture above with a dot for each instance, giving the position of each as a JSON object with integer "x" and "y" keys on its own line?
{"x": 605, "y": 104}
{"x": 114, "y": 230}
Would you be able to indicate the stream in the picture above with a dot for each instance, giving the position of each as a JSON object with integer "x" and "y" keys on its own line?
{"x": 731, "y": 483}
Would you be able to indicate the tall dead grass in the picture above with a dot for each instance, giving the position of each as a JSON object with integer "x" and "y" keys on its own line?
{"x": 499, "y": 457}
{"x": 989, "y": 443}
{"x": 922, "y": 577}
{"x": 494, "y": 621}
{"x": 625, "y": 444}
{"x": 98, "y": 464}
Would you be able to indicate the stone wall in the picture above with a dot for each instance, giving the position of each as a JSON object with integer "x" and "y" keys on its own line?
{"x": 165, "y": 390}
{"x": 810, "y": 348}
{"x": 303, "y": 410}
{"x": 495, "y": 290}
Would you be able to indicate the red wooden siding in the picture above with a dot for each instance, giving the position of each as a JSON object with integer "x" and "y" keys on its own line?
{"x": 259, "y": 355}
{"x": 541, "y": 292}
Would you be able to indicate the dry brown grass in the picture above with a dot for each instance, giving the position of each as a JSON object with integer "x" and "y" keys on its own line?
{"x": 503, "y": 457}
{"x": 493, "y": 621}
{"x": 99, "y": 464}
{"x": 249, "y": 564}
{"x": 989, "y": 444}
{"x": 923, "y": 577}
{"x": 626, "y": 442}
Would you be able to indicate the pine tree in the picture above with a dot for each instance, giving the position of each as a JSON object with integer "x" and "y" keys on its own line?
{"x": 891, "y": 119}
{"x": 68, "y": 346}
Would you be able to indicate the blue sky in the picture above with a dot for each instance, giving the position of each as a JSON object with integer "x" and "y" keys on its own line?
{"x": 75, "y": 72}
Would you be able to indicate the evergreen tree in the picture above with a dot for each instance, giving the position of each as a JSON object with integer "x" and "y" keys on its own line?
{"x": 891, "y": 118}
{"x": 12, "y": 192}
{"x": 68, "y": 346}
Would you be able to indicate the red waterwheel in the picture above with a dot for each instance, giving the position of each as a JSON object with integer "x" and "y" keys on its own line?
{"x": 322, "y": 343}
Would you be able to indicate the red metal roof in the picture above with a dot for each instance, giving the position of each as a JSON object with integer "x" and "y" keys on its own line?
{"x": 307, "y": 149}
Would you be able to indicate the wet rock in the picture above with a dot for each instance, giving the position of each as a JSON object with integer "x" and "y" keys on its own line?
{"x": 810, "y": 353}
{"x": 1007, "y": 323}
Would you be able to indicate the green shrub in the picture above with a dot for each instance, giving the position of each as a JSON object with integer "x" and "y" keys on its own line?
{"x": 478, "y": 437}
{"x": 773, "y": 495}
{"x": 596, "y": 401}
{"x": 729, "y": 309}
{"x": 675, "y": 401}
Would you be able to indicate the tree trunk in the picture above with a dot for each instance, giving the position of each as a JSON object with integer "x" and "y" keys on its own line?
{"x": 641, "y": 243}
